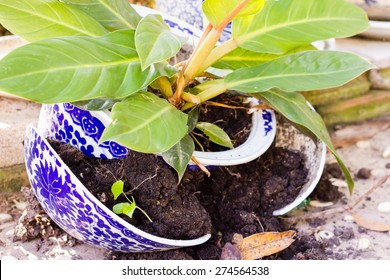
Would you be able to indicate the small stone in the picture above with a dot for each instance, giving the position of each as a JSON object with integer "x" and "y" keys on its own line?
{"x": 384, "y": 207}
{"x": 363, "y": 144}
{"x": 349, "y": 218}
{"x": 21, "y": 205}
{"x": 386, "y": 152}
{"x": 338, "y": 183}
{"x": 379, "y": 172}
{"x": 387, "y": 165}
{"x": 363, "y": 244}
{"x": 324, "y": 234}
{"x": 4, "y": 218}
{"x": 364, "y": 173}
{"x": 320, "y": 204}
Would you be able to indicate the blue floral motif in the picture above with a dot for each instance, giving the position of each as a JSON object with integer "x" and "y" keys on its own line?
{"x": 82, "y": 129}
{"x": 268, "y": 123}
{"x": 73, "y": 208}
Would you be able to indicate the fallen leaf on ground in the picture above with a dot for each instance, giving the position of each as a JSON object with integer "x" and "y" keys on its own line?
{"x": 370, "y": 223}
{"x": 264, "y": 244}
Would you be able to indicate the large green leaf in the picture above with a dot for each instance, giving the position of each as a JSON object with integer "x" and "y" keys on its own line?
{"x": 41, "y": 19}
{"x": 294, "y": 107}
{"x": 70, "y": 69}
{"x": 146, "y": 123}
{"x": 283, "y": 25}
{"x": 155, "y": 42}
{"x": 180, "y": 155}
{"x": 309, "y": 70}
{"x": 112, "y": 14}
{"x": 241, "y": 58}
{"x": 217, "y": 11}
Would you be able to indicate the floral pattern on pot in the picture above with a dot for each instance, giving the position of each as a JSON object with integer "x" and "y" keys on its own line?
{"x": 79, "y": 128}
{"x": 77, "y": 211}
{"x": 189, "y": 11}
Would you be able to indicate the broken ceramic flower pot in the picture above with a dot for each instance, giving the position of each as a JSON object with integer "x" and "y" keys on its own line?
{"x": 68, "y": 202}
{"x": 77, "y": 211}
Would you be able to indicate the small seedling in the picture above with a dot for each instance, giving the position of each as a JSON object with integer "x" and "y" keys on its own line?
{"x": 126, "y": 208}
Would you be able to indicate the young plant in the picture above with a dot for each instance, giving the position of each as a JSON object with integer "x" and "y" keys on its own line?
{"x": 100, "y": 54}
{"x": 126, "y": 208}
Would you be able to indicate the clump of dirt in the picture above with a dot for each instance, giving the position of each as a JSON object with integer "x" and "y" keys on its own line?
{"x": 34, "y": 222}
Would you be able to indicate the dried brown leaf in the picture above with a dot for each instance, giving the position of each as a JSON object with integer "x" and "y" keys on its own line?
{"x": 265, "y": 244}
{"x": 371, "y": 224}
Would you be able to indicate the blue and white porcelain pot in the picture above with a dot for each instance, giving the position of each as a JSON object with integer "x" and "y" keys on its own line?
{"x": 69, "y": 203}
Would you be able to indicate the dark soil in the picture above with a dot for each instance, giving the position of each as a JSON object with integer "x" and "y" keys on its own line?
{"x": 235, "y": 120}
{"x": 238, "y": 199}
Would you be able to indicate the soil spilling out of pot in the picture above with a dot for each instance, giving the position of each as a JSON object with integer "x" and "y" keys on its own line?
{"x": 236, "y": 199}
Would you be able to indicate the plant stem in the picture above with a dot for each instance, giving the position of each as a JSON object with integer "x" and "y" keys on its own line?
{"x": 218, "y": 88}
{"x": 165, "y": 86}
{"x": 217, "y": 53}
{"x": 194, "y": 99}
{"x": 201, "y": 54}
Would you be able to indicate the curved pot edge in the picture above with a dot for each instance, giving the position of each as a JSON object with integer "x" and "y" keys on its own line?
{"x": 173, "y": 243}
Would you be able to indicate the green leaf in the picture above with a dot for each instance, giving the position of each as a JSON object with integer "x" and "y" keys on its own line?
{"x": 146, "y": 123}
{"x": 118, "y": 208}
{"x": 180, "y": 155}
{"x": 309, "y": 70}
{"x": 98, "y": 104}
{"x": 241, "y": 58}
{"x": 155, "y": 42}
{"x": 112, "y": 14}
{"x": 41, "y": 19}
{"x": 283, "y": 25}
{"x": 124, "y": 208}
{"x": 193, "y": 116}
{"x": 129, "y": 208}
{"x": 217, "y": 11}
{"x": 117, "y": 188}
{"x": 215, "y": 134}
{"x": 70, "y": 69}
{"x": 294, "y": 107}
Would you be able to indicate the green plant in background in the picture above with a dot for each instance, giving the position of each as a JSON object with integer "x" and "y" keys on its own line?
{"x": 100, "y": 54}
{"x": 126, "y": 208}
